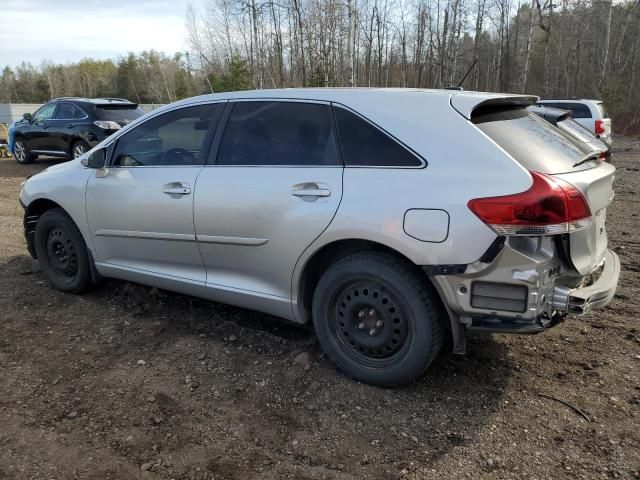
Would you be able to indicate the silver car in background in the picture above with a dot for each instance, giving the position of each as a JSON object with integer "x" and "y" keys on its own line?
{"x": 393, "y": 219}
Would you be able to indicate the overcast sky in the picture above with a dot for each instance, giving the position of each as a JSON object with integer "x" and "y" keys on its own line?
{"x": 69, "y": 30}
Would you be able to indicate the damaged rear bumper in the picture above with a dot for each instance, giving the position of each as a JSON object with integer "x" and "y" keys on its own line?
{"x": 598, "y": 294}
{"x": 527, "y": 287}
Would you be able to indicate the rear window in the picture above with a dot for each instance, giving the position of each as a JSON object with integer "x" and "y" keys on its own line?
{"x": 578, "y": 110}
{"x": 576, "y": 130}
{"x": 533, "y": 142}
{"x": 121, "y": 114}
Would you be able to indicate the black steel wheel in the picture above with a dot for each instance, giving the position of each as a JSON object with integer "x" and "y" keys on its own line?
{"x": 62, "y": 252}
{"x": 378, "y": 318}
{"x": 370, "y": 322}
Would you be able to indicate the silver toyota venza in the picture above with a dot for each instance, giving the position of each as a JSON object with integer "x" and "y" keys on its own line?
{"x": 395, "y": 220}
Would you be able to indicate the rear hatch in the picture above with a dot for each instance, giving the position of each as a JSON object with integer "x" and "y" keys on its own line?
{"x": 540, "y": 147}
{"x": 122, "y": 113}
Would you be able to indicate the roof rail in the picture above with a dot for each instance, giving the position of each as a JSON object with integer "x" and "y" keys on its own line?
{"x": 113, "y": 99}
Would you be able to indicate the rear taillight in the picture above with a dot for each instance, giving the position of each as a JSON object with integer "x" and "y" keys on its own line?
{"x": 600, "y": 127}
{"x": 551, "y": 206}
{"x": 107, "y": 125}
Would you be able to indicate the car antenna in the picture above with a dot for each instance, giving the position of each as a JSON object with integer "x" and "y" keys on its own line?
{"x": 459, "y": 86}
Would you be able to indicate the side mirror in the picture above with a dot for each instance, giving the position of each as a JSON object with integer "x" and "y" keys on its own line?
{"x": 28, "y": 117}
{"x": 96, "y": 159}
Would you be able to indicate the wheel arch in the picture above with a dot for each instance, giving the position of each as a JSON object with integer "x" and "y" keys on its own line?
{"x": 331, "y": 252}
{"x": 32, "y": 213}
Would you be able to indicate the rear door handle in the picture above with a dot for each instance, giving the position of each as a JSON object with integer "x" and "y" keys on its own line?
{"x": 177, "y": 188}
{"x": 319, "y": 192}
{"x": 310, "y": 190}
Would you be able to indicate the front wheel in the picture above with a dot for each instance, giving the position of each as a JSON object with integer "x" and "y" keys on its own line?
{"x": 62, "y": 252}
{"x": 377, "y": 318}
{"x": 22, "y": 152}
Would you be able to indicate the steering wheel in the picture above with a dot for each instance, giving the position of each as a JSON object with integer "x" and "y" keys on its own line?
{"x": 179, "y": 156}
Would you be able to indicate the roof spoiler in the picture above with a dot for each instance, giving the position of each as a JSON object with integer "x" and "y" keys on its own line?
{"x": 466, "y": 103}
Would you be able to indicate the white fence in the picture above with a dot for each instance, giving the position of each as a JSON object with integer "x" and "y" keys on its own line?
{"x": 10, "y": 112}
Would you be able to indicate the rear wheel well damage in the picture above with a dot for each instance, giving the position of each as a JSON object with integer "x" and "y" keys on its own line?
{"x": 321, "y": 260}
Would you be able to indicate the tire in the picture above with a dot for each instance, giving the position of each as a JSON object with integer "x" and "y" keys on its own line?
{"x": 79, "y": 148}
{"x": 22, "y": 152}
{"x": 62, "y": 253}
{"x": 377, "y": 318}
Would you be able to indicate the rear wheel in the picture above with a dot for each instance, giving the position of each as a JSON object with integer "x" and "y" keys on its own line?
{"x": 62, "y": 252}
{"x": 377, "y": 318}
{"x": 22, "y": 152}
{"x": 79, "y": 148}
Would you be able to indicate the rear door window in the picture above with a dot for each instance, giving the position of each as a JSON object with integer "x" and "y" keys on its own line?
{"x": 68, "y": 111}
{"x": 279, "y": 133}
{"x": 533, "y": 142}
{"x": 363, "y": 144}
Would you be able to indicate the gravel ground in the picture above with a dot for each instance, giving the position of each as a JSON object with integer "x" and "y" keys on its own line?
{"x": 131, "y": 382}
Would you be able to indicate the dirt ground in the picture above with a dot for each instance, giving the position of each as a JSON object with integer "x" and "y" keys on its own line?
{"x": 130, "y": 382}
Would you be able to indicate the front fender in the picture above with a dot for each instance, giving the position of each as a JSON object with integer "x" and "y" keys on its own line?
{"x": 62, "y": 185}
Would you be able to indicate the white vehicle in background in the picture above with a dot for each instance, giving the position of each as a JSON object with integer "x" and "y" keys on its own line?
{"x": 591, "y": 114}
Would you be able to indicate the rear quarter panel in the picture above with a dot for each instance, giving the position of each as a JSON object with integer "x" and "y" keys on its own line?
{"x": 462, "y": 164}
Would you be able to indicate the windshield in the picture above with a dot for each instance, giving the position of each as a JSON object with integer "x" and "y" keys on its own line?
{"x": 533, "y": 142}
{"x": 121, "y": 114}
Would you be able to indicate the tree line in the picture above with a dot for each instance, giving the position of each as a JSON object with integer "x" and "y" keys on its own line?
{"x": 551, "y": 48}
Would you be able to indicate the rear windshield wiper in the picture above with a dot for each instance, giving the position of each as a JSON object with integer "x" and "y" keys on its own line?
{"x": 589, "y": 156}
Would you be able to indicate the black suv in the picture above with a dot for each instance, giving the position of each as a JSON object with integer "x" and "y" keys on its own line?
{"x": 68, "y": 127}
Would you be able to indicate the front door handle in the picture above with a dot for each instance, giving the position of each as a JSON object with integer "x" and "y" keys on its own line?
{"x": 176, "y": 188}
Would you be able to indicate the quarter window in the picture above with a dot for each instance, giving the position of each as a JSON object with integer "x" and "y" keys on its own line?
{"x": 173, "y": 138}
{"x": 279, "y": 133}
{"x": 68, "y": 111}
{"x": 365, "y": 145}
